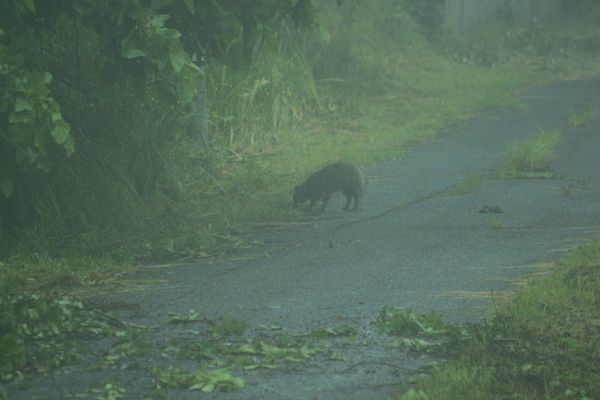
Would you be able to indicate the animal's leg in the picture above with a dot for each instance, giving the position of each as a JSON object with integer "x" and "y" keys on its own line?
{"x": 325, "y": 201}
{"x": 348, "y": 200}
{"x": 355, "y": 202}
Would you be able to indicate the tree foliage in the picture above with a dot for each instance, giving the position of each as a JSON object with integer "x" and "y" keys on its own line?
{"x": 97, "y": 94}
{"x": 31, "y": 117}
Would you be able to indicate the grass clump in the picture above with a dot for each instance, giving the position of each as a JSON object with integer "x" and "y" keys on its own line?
{"x": 543, "y": 343}
{"x": 529, "y": 158}
{"x": 468, "y": 185}
{"x": 583, "y": 118}
{"x": 496, "y": 224}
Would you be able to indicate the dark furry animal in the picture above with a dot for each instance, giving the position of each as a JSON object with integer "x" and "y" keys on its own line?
{"x": 340, "y": 176}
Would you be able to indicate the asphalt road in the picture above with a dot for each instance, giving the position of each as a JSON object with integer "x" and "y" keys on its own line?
{"x": 411, "y": 244}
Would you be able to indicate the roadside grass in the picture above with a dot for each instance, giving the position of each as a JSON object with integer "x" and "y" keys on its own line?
{"x": 496, "y": 223}
{"x": 543, "y": 343}
{"x": 468, "y": 185}
{"x": 55, "y": 276}
{"x": 583, "y": 118}
{"x": 528, "y": 158}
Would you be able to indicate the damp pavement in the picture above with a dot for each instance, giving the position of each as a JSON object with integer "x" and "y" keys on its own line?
{"x": 416, "y": 242}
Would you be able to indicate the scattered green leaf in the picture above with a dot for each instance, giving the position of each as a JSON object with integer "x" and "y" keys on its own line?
{"x": 400, "y": 322}
{"x": 190, "y": 317}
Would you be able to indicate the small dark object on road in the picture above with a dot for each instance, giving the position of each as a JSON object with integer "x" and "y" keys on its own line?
{"x": 340, "y": 176}
{"x": 491, "y": 210}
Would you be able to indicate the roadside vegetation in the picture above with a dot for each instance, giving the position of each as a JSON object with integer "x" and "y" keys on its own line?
{"x": 127, "y": 136}
{"x": 583, "y": 118}
{"x": 542, "y": 343}
{"x": 529, "y": 158}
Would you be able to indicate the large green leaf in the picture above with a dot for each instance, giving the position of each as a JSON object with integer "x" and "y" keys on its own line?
{"x": 185, "y": 92}
{"x": 56, "y": 116}
{"x": 23, "y": 103}
{"x": 134, "y": 53}
{"x": 60, "y": 132}
{"x": 178, "y": 58}
{"x": 130, "y": 48}
{"x": 158, "y": 21}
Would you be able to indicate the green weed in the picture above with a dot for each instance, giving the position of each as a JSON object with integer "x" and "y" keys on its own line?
{"x": 228, "y": 327}
{"x": 415, "y": 345}
{"x": 400, "y": 322}
{"x": 468, "y": 185}
{"x": 191, "y": 316}
{"x": 259, "y": 352}
{"x": 338, "y": 331}
{"x": 496, "y": 224}
{"x": 203, "y": 380}
{"x": 110, "y": 391}
{"x": 129, "y": 349}
{"x": 583, "y": 118}
{"x": 529, "y": 158}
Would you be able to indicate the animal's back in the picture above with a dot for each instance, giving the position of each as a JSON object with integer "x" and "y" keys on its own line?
{"x": 341, "y": 175}
{"x": 338, "y": 176}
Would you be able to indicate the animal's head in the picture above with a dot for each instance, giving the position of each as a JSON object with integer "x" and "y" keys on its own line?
{"x": 299, "y": 195}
